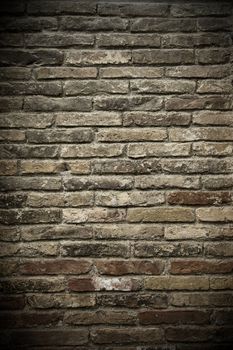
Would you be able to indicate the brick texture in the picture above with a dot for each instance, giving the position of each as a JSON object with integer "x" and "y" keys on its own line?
{"x": 116, "y": 175}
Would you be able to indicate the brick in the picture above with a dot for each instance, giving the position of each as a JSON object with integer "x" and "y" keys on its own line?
{"x": 214, "y": 86}
{"x": 160, "y": 215}
{"x": 159, "y": 25}
{"x": 61, "y": 301}
{"x": 48, "y": 267}
{"x": 219, "y": 283}
{"x": 93, "y": 215}
{"x": 218, "y": 182}
{"x": 199, "y": 198}
{"x": 28, "y": 24}
{"x": 131, "y": 10}
{"x": 28, "y": 216}
{"x": 41, "y": 167}
{"x": 130, "y": 198}
{"x": 195, "y": 40}
{"x": 213, "y": 56}
{"x": 28, "y": 88}
{"x": 206, "y": 165}
{"x": 212, "y": 149}
{"x": 12, "y": 135}
{"x": 215, "y": 214}
{"x": 88, "y": 119}
{"x": 167, "y": 181}
{"x": 93, "y": 24}
{"x": 23, "y": 120}
{"x": 129, "y": 232}
{"x": 135, "y": 335}
{"x": 203, "y": 299}
{"x": 30, "y": 183}
{"x": 190, "y": 267}
{"x": 158, "y": 150}
{"x": 100, "y": 317}
{"x": 219, "y": 249}
{"x": 60, "y": 7}
{"x": 8, "y": 151}
{"x": 79, "y": 168}
{"x": 60, "y": 200}
{"x": 128, "y": 40}
{"x": 98, "y": 182}
{"x": 188, "y": 335}
{"x": 212, "y": 118}
{"x": 58, "y": 40}
{"x": 186, "y": 232}
{"x": 131, "y": 135}
{"x": 29, "y": 319}
{"x": 95, "y": 249}
{"x": 132, "y": 300}
{"x": 14, "y": 73}
{"x": 49, "y": 337}
{"x": 214, "y": 24}
{"x": 223, "y": 317}
{"x": 164, "y": 56}
{"x": 167, "y": 249}
{"x": 177, "y": 283}
{"x": 53, "y": 232}
{"x": 198, "y": 71}
{"x": 65, "y": 72}
{"x": 9, "y": 104}
{"x": 130, "y": 72}
{"x": 40, "y": 103}
{"x": 193, "y": 10}
{"x": 155, "y": 119}
{"x": 173, "y": 317}
{"x": 9, "y": 234}
{"x": 21, "y": 285}
{"x": 60, "y": 136}
{"x": 8, "y": 167}
{"x": 125, "y": 267}
{"x": 125, "y": 167}
{"x": 197, "y": 102}
{"x": 103, "y": 284}
{"x": 89, "y": 87}
{"x": 8, "y": 268}
{"x": 12, "y": 39}
{"x": 134, "y": 103}
{"x": 162, "y": 86}
{"x": 12, "y": 200}
{"x": 93, "y": 150}
{"x": 25, "y": 58}
{"x": 90, "y": 57}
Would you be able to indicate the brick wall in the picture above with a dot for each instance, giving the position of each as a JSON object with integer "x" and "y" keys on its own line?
{"x": 117, "y": 174}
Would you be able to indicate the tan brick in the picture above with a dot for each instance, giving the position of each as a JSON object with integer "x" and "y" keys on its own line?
{"x": 90, "y": 57}
{"x": 41, "y": 167}
{"x": 160, "y": 215}
{"x": 93, "y": 215}
{"x": 219, "y": 283}
{"x": 158, "y": 150}
{"x": 193, "y": 134}
{"x": 181, "y": 232}
{"x": 167, "y": 181}
{"x": 93, "y": 150}
{"x": 131, "y": 135}
{"x": 65, "y": 72}
{"x": 8, "y": 167}
{"x": 118, "y": 199}
{"x": 213, "y": 118}
{"x": 212, "y": 149}
{"x": 215, "y": 214}
{"x": 131, "y": 72}
{"x": 177, "y": 283}
{"x": 60, "y": 200}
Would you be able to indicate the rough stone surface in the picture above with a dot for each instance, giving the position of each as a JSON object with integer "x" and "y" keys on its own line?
{"x": 116, "y": 175}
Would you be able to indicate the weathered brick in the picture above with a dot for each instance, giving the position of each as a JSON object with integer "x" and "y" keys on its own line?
{"x": 79, "y": 168}
{"x": 12, "y": 39}
{"x": 214, "y": 86}
{"x": 130, "y": 72}
{"x": 164, "y": 56}
{"x": 158, "y": 150}
{"x": 27, "y": 24}
{"x": 8, "y": 151}
{"x": 97, "y": 57}
{"x": 217, "y": 182}
{"x": 9, "y": 234}
{"x": 29, "y": 216}
{"x": 62, "y": 301}
{"x": 155, "y": 119}
{"x": 40, "y": 103}
{"x": 29, "y": 319}
{"x": 129, "y": 232}
{"x": 125, "y": 167}
{"x": 8, "y": 167}
{"x": 123, "y": 284}
{"x": 60, "y": 136}
{"x": 89, "y": 87}
{"x": 60, "y": 200}
{"x": 135, "y": 335}
{"x": 219, "y": 283}
{"x": 133, "y": 300}
{"x": 14, "y": 73}
{"x": 198, "y": 102}
{"x": 177, "y": 283}
{"x": 12, "y": 135}
{"x": 167, "y": 249}
{"x": 195, "y": 40}
{"x": 199, "y": 9}
{"x": 93, "y": 150}
{"x": 203, "y": 299}
{"x": 25, "y": 58}
{"x": 41, "y": 167}
{"x": 198, "y": 71}
{"x": 16, "y": 302}
{"x": 181, "y": 232}
{"x": 9, "y": 104}
{"x": 173, "y": 317}
{"x": 12, "y": 200}
{"x": 199, "y": 198}
{"x": 213, "y": 56}
{"x": 160, "y": 215}
{"x": 125, "y": 267}
{"x": 95, "y": 249}
{"x": 163, "y": 86}
{"x": 17, "y": 183}
{"x": 207, "y": 165}
{"x": 159, "y": 25}
{"x": 93, "y": 215}
{"x": 179, "y": 334}
{"x": 65, "y": 72}
{"x": 21, "y": 285}
{"x": 93, "y": 23}
{"x": 60, "y": 7}
{"x": 212, "y": 149}
{"x": 214, "y": 24}
{"x": 88, "y": 119}
{"x": 131, "y": 198}
{"x": 100, "y": 317}
{"x": 167, "y": 181}
{"x": 128, "y": 40}
{"x": 213, "y": 118}
{"x": 132, "y": 10}
{"x": 215, "y": 214}
{"x": 23, "y": 120}
{"x": 58, "y": 40}
{"x": 130, "y": 103}
{"x": 219, "y": 249}
{"x": 131, "y": 135}
{"x": 98, "y": 182}
{"x": 181, "y": 267}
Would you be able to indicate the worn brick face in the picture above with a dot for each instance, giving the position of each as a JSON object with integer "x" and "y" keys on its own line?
{"x": 116, "y": 175}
